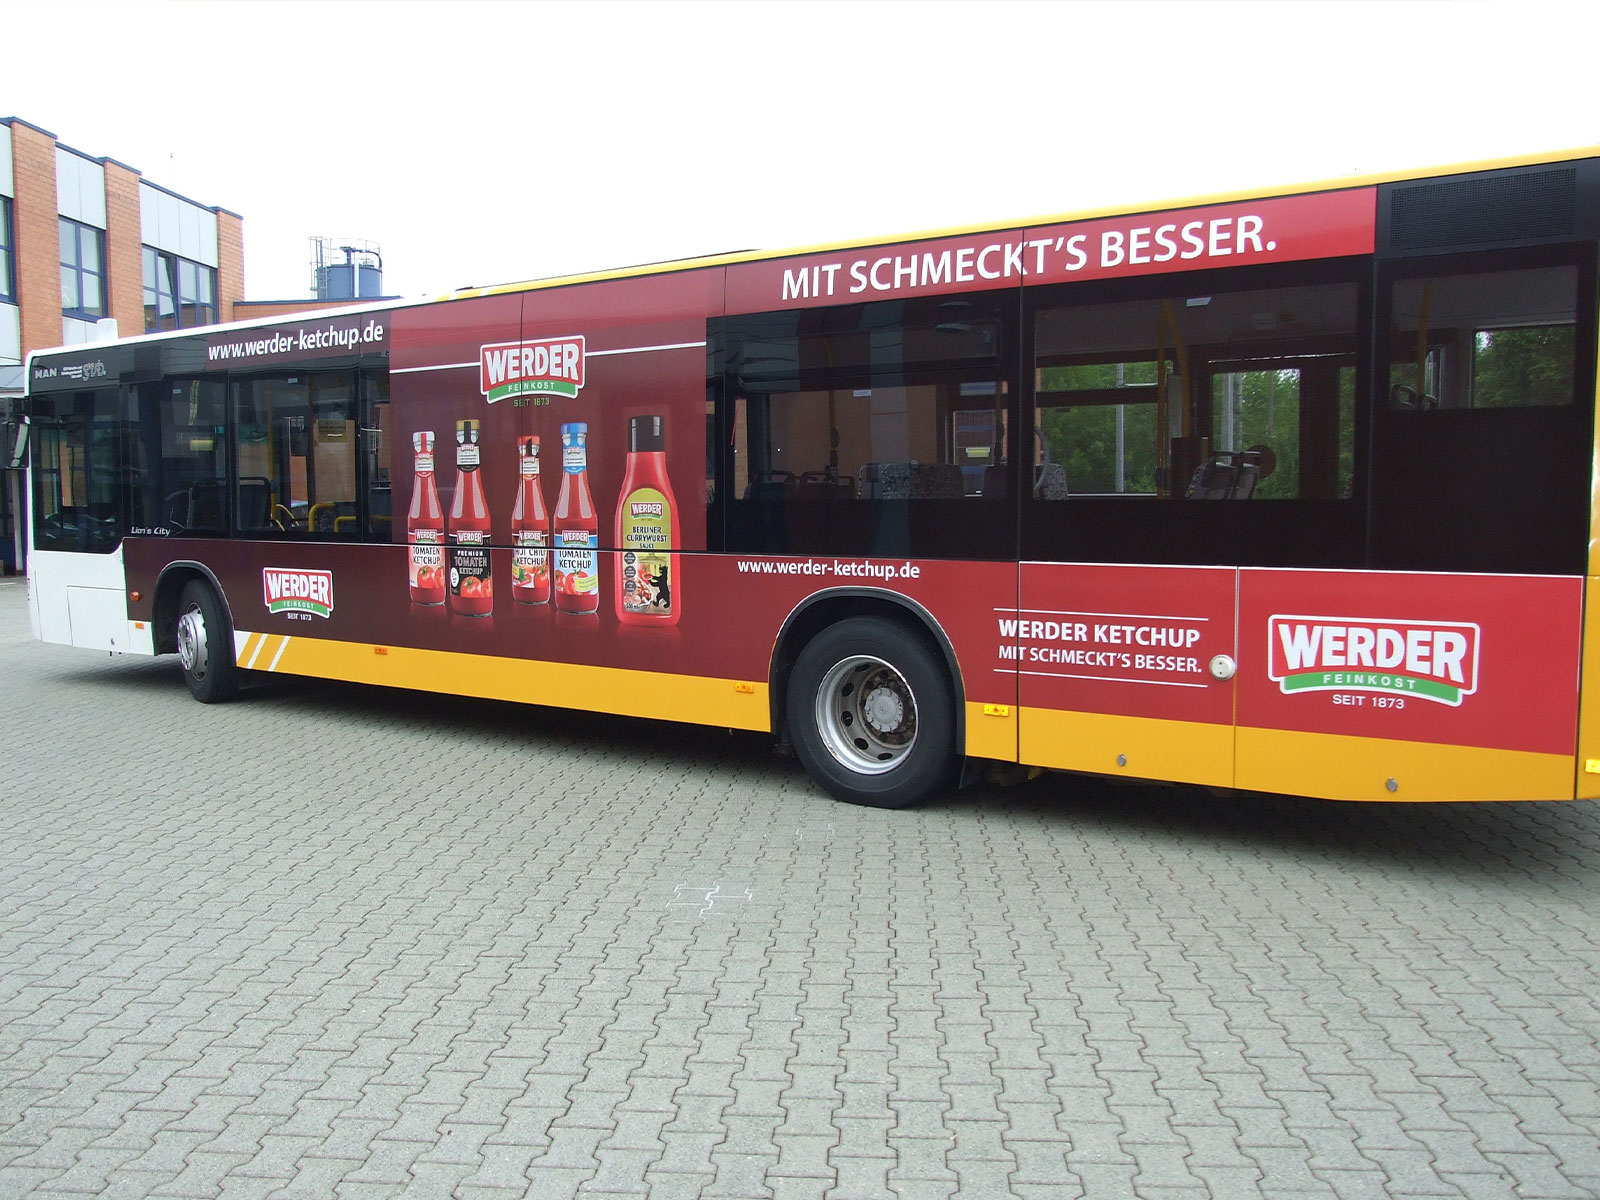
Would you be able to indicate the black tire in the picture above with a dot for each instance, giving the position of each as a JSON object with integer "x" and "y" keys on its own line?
{"x": 205, "y": 645}
{"x": 870, "y": 714}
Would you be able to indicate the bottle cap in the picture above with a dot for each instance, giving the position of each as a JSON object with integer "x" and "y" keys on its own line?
{"x": 646, "y": 434}
{"x": 528, "y": 447}
{"x": 422, "y": 442}
{"x": 466, "y": 431}
{"x": 575, "y": 432}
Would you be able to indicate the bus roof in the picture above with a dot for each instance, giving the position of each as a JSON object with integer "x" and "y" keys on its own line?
{"x": 744, "y": 256}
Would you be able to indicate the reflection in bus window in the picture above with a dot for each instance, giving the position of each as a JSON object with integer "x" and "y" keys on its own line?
{"x": 1502, "y": 339}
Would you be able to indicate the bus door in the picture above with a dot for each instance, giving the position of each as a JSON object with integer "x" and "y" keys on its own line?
{"x": 1187, "y": 431}
{"x": 1125, "y": 639}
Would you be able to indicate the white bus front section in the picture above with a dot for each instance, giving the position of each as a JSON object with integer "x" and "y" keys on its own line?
{"x": 81, "y": 600}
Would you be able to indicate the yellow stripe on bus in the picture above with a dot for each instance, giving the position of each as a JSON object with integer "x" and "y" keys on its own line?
{"x": 1338, "y": 767}
{"x": 1138, "y": 747}
{"x": 734, "y": 704}
{"x": 1588, "y": 783}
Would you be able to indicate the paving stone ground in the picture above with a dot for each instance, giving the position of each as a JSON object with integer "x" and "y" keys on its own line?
{"x": 331, "y": 941}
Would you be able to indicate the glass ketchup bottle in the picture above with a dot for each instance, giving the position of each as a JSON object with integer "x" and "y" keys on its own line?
{"x": 471, "y": 583}
{"x": 530, "y": 530}
{"x": 648, "y": 588}
{"x": 425, "y": 528}
{"x": 577, "y": 529}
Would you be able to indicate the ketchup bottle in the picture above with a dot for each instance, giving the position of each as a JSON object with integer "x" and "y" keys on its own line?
{"x": 530, "y": 530}
{"x": 577, "y": 529}
{"x": 470, "y": 580}
{"x": 648, "y": 588}
{"x": 425, "y": 528}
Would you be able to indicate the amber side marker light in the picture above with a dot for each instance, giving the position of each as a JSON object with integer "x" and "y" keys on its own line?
{"x": 380, "y": 649}
{"x": 134, "y": 596}
{"x": 747, "y": 689}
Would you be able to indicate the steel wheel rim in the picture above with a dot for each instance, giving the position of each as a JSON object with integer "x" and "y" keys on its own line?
{"x": 192, "y": 642}
{"x": 866, "y": 713}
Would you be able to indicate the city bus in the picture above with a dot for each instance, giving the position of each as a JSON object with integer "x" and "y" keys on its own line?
{"x": 1286, "y": 491}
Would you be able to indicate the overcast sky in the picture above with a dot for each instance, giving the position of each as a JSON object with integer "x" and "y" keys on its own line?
{"x": 489, "y": 143}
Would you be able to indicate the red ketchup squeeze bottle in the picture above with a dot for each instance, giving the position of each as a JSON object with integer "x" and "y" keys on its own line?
{"x": 530, "y": 530}
{"x": 425, "y": 528}
{"x": 577, "y": 529}
{"x": 471, "y": 584}
{"x": 648, "y": 587}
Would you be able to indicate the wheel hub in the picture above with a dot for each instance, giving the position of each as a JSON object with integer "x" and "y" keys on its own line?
{"x": 192, "y": 642}
{"x": 884, "y": 710}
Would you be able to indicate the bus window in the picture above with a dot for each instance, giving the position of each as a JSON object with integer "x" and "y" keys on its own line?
{"x": 192, "y": 418}
{"x": 871, "y": 429}
{"x": 1481, "y": 453}
{"x": 89, "y": 473}
{"x": 1503, "y": 339}
{"x": 295, "y": 446}
{"x": 1227, "y": 396}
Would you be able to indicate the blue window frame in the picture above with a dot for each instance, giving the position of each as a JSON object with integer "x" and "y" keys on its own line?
{"x": 178, "y": 293}
{"x": 83, "y": 270}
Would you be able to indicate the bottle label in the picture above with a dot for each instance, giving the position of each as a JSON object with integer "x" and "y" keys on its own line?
{"x": 528, "y": 468}
{"x": 577, "y": 562}
{"x": 467, "y": 456}
{"x": 469, "y": 564}
{"x": 427, "y": 559}
{"x": 646, "y": 563}
{"x": 424, "y": 464}
{"x": 528, "y": 556}
{"x": 574, "y": 459}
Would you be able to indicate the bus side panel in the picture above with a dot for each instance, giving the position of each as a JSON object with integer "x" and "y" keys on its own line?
{"x": 81, "y": 601}
{"x": 1115, "y": 669}
{"x": 1390, "y": 686}
{"x": 342, "y": 612}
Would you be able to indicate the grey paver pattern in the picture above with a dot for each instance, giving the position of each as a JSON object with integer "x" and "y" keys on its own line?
{"x": 331, "y": 941}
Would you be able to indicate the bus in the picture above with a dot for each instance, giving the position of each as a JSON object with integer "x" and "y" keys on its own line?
{"x": 1287, "y": 491}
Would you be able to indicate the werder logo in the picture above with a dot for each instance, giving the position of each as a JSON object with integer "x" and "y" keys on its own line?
{"x": 1431, "y": 660}
{"x": 548, "y": 367}
{"x": 288, "y": 590}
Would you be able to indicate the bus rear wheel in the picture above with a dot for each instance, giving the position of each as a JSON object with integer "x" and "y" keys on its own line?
{"x": 205, "y": 645}
{"x": 870, "y": 714}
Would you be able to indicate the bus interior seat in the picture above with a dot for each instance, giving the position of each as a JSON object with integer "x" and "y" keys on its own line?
{"x": 825, "y": 485}
{"x": 1228, "y": 475}
{"x": 770, "y": 486}
{"x": 911, "y": 481}
{"x": 1050, "y": 482}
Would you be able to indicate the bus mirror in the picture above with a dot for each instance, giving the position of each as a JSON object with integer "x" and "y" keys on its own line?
{"x": 14, "y": 442}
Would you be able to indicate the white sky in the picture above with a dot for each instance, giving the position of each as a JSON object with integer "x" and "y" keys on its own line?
{"x": 485, "y": 143}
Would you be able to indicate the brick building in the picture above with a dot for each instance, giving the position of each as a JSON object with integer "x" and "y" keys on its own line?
{"x": 84, "y": 238}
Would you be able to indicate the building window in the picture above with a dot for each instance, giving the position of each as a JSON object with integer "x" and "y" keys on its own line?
{"x": 178, "y": 294}
{"x": 83, "y": 270}
{"x": 8, "y": 283}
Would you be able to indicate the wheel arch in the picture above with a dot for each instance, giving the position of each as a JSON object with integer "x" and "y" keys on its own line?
{"x": 821, "y": 609}
{"x": 169, "y": 586}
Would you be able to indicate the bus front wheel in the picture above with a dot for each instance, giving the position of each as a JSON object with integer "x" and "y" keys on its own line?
{"x": 205, "y": 645}
{"x": 870, "y": 714}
